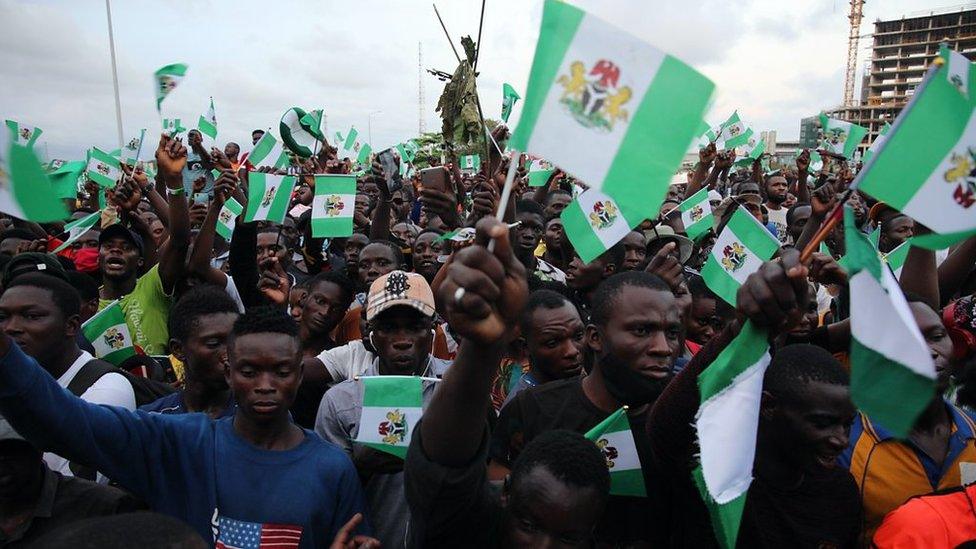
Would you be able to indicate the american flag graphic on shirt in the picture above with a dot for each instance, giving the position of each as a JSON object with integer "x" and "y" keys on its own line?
{"x": 237, "y": 534}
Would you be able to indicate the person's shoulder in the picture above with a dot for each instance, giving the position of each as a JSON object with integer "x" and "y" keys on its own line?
{"x": 167, "y": 404}
{"x": 74, "y": 490}
{"x": 326, "y": 453}
{"x": 923, "y": 519}
{"x": 552, "y": 390}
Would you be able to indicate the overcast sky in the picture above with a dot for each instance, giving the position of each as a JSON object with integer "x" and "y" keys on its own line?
{"x": 775, "y": 61}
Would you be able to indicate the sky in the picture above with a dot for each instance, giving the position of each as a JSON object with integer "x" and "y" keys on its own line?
{"x": 774, "y": 61}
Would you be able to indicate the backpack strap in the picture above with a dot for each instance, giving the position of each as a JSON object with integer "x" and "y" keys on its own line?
{"x": 91, "y": 372}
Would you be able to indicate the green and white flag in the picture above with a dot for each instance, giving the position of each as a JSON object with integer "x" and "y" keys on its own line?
{"x": 710, "y": 136}
{"x": 739, "y": 251}
{"x": 878, "y": 141}
{"x": 464, "y": 234}
{"x": 364, "y": 154}
{"x": 696, "y": 214}
{"x": 349, "y": 143}
{"x": 840, "y": 137}
{"x": 593, "y": 222}
{"x": 133, "y": 149}
{"x": 64, "y": 180}
{"x": 268, "y": 152}
{"x": 109, "y": 334}
{"x": 727, "y": 423}
{"x": 613, "y": 111}
{"x": 925, "y": 168}
{"x": 268, "y": 197}
{"x": 103, "y": 168}
{"x": 167, "y": 78}
{"x": 957, "y": 69}
{"x": 470, "y": 162}
{"x": 539, "y": 172}
{"x": 295, "y": 135}
{"x": 509, "y": 97}
{"x": 734, "y": 132}
{"x": 614, "y": 438}
{"x": 312, "y": 123}
{"x": 25, "y": 190}
{"x": 77, "y": 228}
{"x": 753, "y": 149}
{"x": 892, "y": 374}
{"x": 895, "y": 259}
{"x": 816, "y": 162}
{"x": 392, "y": 406}
{"x": 333, "y": 205}
{"x": 227, "y": 218}
{"x": 208, "y": 122}
{"x": 173, "y": 126}
{"x": 24, "y": 134}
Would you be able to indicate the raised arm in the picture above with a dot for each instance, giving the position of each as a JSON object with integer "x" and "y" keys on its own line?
{"x": 199, "y": 262}
{"x": 379, "y": 227}
{"x": 802, "y": 191}
{"x": 706, "y": 156}
{"x": 956, "y": 269}
{"x": 171, "y": 159}
{"x": 494, "y": 293}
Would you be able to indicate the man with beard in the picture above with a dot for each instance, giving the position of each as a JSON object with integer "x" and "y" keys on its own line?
{"x": 528, "y": 233}
{"x": 427, "y": 251}
{"x": 888, "y": 470}
{"x": 776, "y": 188}
{"x": 799, "y": 497}
{"x": 634, "y": 335}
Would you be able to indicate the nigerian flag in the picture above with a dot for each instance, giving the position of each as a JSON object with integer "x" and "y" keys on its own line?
{"x": 349, "y": 143}
{"x": 268, "y": 152}
{"x": 539, "y": 172}
{"x": 614, "y": 438}
{"x": 840, "y": 137}
{"x": 295, "y": 133}
{"x": 710, "y": 136}
{"x": 738, "y": 252}
{"x": 25, "y": 190}
{"x": 925, "y": 166}
{"x": 895, "y": 259}
{"x": 727, "y": 423}
{"x": 892, "y": 374}
{"x": 64, "y": 180}
{"x": 173, "y": 126}
{"x": 167, "y": 78}
{"x": 268, "y": 197}
{"x": 24, "y": 134}
{"x": 615, "y": 112}
{"x": 109, "y": 334}
{"x": 103, "y": 168}
{"x": 208, "y": 122}
{"x": 392, "y": 406}
{"x": 312, "y": 123}
{"x": 227, "y": 218}
{"x": 734, "y": 132}
{"x": 878, "y": 141}
{"x": 77, "y": 228}
{"x": 133, "y": 149}
{"x": 362, "y": 157}
{"x": 696, "y": 214}
{"x": 751, "y": 150}
{"x": 509, "y": 97}
{"x": 470, "y": 162}
{"x": 333, "y": 205}
{"x": 594, "y": 222}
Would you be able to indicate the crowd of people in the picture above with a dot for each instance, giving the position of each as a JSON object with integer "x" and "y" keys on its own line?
{"x": 237, "y": 422}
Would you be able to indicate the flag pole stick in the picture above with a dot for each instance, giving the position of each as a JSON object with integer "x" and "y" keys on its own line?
{"x": 449, "y": 41}
{"x": 115, "y": 72}
{"x": 506, "y": 194}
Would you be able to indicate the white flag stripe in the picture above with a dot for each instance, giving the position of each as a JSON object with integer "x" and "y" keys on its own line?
{"x": 627, "y": 458}
{"x": 348, "y": 204}
{"x": 885, "y": 324}
{"x": 594, "y": 41}
{"x": 372, "y": 416}
{"x": 752, "y": 261}
{"x": 103, "y": 349}
{"x": 618, "y": 228}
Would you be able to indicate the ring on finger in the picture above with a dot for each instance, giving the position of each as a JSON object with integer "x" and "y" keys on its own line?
{"x": 459, "y": 295}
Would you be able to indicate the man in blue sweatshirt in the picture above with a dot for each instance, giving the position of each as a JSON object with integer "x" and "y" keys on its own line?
{"x": 240, "y": 480}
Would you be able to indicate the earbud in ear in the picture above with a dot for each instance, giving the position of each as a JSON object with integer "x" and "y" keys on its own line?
{"x": 372, "y": 344}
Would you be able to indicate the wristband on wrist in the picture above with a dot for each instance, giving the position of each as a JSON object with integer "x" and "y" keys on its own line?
{"x": 174, "y": 192}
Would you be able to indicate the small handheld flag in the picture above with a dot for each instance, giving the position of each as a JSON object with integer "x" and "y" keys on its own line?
{"x": 167, "y": 78}
{"x": 392, "y": 406}
{"x": 109, "y": 334}
{"x": 614, "y": 438}
{"x": 333, "y": 205}
{"x": 739, "y": 251}
{"x": 268, "y": 196}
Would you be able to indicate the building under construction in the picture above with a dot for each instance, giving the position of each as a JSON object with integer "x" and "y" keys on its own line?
{"x": 901, "y": 51}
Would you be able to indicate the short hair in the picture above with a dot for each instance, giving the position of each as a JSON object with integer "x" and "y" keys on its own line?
{"x": 201, "y": 300}
{"x": 795, "y": 365}
{"x": 65, "y": 297}
{"x": 84, "y": 284}
{"x": 606, "y": 293}
{"x": 17, "y": 232}
{"x": 259, "y": 130}
{"x": 530, "y": 207}
{"x": 540, "y": 299}
{"x": 555, "y": 193}
{"x": 569, "y": 457}
{"x": 264, "y": 319}
{"x": 615, "y": 255}
{"x": 912, "y": 297}
{"x": 142, "y": 529}
{"x": 397, "y": 252}
{"x": 699, "y": 290}
{"x": 791, "y": 212}
{"x": 342, "y": 281}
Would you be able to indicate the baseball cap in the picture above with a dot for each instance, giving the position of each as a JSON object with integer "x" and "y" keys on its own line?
{"x": 32, "y": 262}
{"x": 399, "y": 288}
{"x": 116, "y": 231}
{"x": 666, "y": 234}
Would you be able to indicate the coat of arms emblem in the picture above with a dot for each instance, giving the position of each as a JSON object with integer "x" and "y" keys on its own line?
{"x": 963, "y": 175}
{"x": 334, "y": 205}
{"x": 394, "y": 430}
{"x": 609, "y": 452}
{"x": 604, "y": 214}
{"x": 696, "y": 213}
{"x": 268, "y": 196}
{"x": 733, "y": 257}
{"x": 114, "y": 338}
{"x": 593, "y": 97}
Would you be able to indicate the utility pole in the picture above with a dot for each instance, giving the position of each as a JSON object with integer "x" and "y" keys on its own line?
{"x": 421, "y": 123}
{"x": 115, "y": 73}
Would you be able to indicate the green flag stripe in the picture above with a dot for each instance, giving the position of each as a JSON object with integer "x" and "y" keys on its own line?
{"x": 676, "y": 94}
{"x": 720, "y": 281}
{"x": 30, "y": 187}
{"x": 886, "y": 388}
{"x": 335, "y": 227}
{"x": 753, "y": 235}
{"x": 335, "y": 184}
{"x": 628, "y": 483}
{"x": 725, "y": 518}
{"x": 120, "y": 356}
{"x": 934, "y": 241}
{"x": 925, "y": 132}
{"x": 584, "y": 239}
{"x": 398, "y": 391}
{"x": 398, "y": 451}
{"x": 740, "y": 355}
{"x": 560, "y": 22}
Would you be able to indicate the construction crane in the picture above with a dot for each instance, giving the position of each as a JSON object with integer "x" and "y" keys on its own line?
{"x": 857, "y": 12}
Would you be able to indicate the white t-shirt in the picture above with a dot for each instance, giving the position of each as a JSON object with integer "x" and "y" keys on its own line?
{"x": 347, "y": 361}
{"x": 231, "y": 290}
{"x": 111, "y": 389}
{"x": 778, "y": 219}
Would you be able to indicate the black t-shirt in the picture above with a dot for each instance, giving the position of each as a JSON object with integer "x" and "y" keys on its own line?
{"x": 563, "y": 405}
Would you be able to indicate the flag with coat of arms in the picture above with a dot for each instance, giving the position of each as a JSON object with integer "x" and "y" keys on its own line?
{"x": 740, "y": 249}
{"x": 333, "y": 205}
{"x": 392, "y": 406}
{"x": 594, "y": 222}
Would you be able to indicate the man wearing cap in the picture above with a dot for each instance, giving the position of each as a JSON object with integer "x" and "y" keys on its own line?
{"x": 657, "y": 237}
{"x": 145, "y": 300}
{"x": 35, "y": 500}
{"x": 400, "y": 332}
